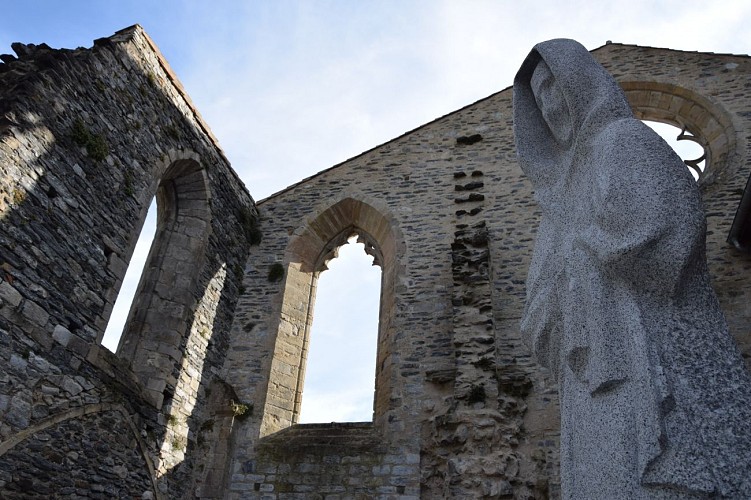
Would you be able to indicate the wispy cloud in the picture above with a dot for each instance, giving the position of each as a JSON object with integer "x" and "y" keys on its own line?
{"x": 298, "y": 87}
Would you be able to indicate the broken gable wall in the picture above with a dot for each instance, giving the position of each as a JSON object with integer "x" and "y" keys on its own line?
{"x": 87, "y": 138}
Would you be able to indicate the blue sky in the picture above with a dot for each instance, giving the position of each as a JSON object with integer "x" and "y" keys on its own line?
{"x": 291, "y": 88}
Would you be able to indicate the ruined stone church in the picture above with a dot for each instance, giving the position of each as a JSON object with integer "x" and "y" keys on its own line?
{"x": 202, "y": 398}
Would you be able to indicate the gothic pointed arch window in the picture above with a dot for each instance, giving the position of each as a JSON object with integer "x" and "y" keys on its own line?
{"x": 313, "y": 245}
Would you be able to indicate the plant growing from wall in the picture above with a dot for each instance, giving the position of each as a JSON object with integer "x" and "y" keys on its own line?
{"x": 19, "y": 196}
{"x": 250, "y": 224}
{"x": 95, "y": 144}
{"x": 241, "y": 410}
{"x": 172, "y": 132}
{"x": 79, "y": 133}
{"x": 97, "y": 147}
{"x": 179, "y": 443}
{"x": 127, "y": 183}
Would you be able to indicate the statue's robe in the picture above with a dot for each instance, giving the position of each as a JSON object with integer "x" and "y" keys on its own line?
{"x": 655, "y": 398}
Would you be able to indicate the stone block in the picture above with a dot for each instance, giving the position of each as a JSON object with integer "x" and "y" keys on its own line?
{"x": 18, "y": 363}
{"x": 9, "y": 295}
{"x": 35, "y": 313}
{"x": 71, "y": 386}
{"x": 117, "y": 265}
{"x": 19, "y": 410}
{"x": 62, "y": 335}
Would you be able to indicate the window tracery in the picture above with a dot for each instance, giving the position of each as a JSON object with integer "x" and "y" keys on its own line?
{"x": 697, "y": 117}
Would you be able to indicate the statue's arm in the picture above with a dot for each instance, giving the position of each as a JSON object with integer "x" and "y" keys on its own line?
{"x": 643, "y": 201}
{"x": 542, "y": 327}
{"x": 541, "y": 324}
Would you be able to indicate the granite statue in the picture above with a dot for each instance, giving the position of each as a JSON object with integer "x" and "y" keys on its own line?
{"x": 655, "y": 397}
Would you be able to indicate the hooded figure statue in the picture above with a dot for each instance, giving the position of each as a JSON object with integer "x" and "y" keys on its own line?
{"x": 655, "y": 398}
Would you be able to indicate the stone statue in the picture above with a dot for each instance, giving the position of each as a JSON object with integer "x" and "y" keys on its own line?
{"x": 655, "y": 398}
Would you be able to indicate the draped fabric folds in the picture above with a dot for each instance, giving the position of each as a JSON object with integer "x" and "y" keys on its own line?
{"x": 655, "y": 398}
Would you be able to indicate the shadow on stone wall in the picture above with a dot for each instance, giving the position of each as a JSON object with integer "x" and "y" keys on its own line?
{"x": 82, "y": 136}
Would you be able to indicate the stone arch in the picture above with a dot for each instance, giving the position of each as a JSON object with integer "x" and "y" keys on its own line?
{"x": 25, "y": 450}
{"x": 160, "y": 315}
{"x": 312, "y": 245}
{"x": 708, "y": 122}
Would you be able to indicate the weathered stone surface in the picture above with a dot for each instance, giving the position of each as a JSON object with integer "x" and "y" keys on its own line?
{"x": 9, "y": 294}
{"x": 62, "y": 335}
{"x": 71, "y": 216}
{"x": 619, "y": 305}
{"x": 95, "y": 456}
{"x": 19, "y": 410}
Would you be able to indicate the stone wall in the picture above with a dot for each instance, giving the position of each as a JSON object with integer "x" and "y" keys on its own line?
{"x": 459, "y": 378}
{"x": 80, "y": 456}
{"x": 87, "y": 138}
{"x": 203, "y": 396}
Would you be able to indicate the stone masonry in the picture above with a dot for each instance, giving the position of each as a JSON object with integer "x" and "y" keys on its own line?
{"x": 203, "y": 396}
{"x": 88, "y": 138}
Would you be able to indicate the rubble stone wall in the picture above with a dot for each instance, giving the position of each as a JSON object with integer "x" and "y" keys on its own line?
{"x": 87, "y": 138}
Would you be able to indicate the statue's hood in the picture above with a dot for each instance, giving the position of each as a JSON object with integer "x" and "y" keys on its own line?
{"x": 593, "y": 99}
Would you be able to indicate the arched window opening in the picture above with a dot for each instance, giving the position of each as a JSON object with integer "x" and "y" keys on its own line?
{"x": 699, "y": 119}
{"x": 685, "y": 144}
{"x": 312, "y": 246}
{"x": 124, "y": 301}
{"x": 162, "y": 311}
{"x": 340, "y": 370}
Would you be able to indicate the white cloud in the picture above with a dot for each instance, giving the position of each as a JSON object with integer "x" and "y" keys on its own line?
{"x": 304, "y": 86}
